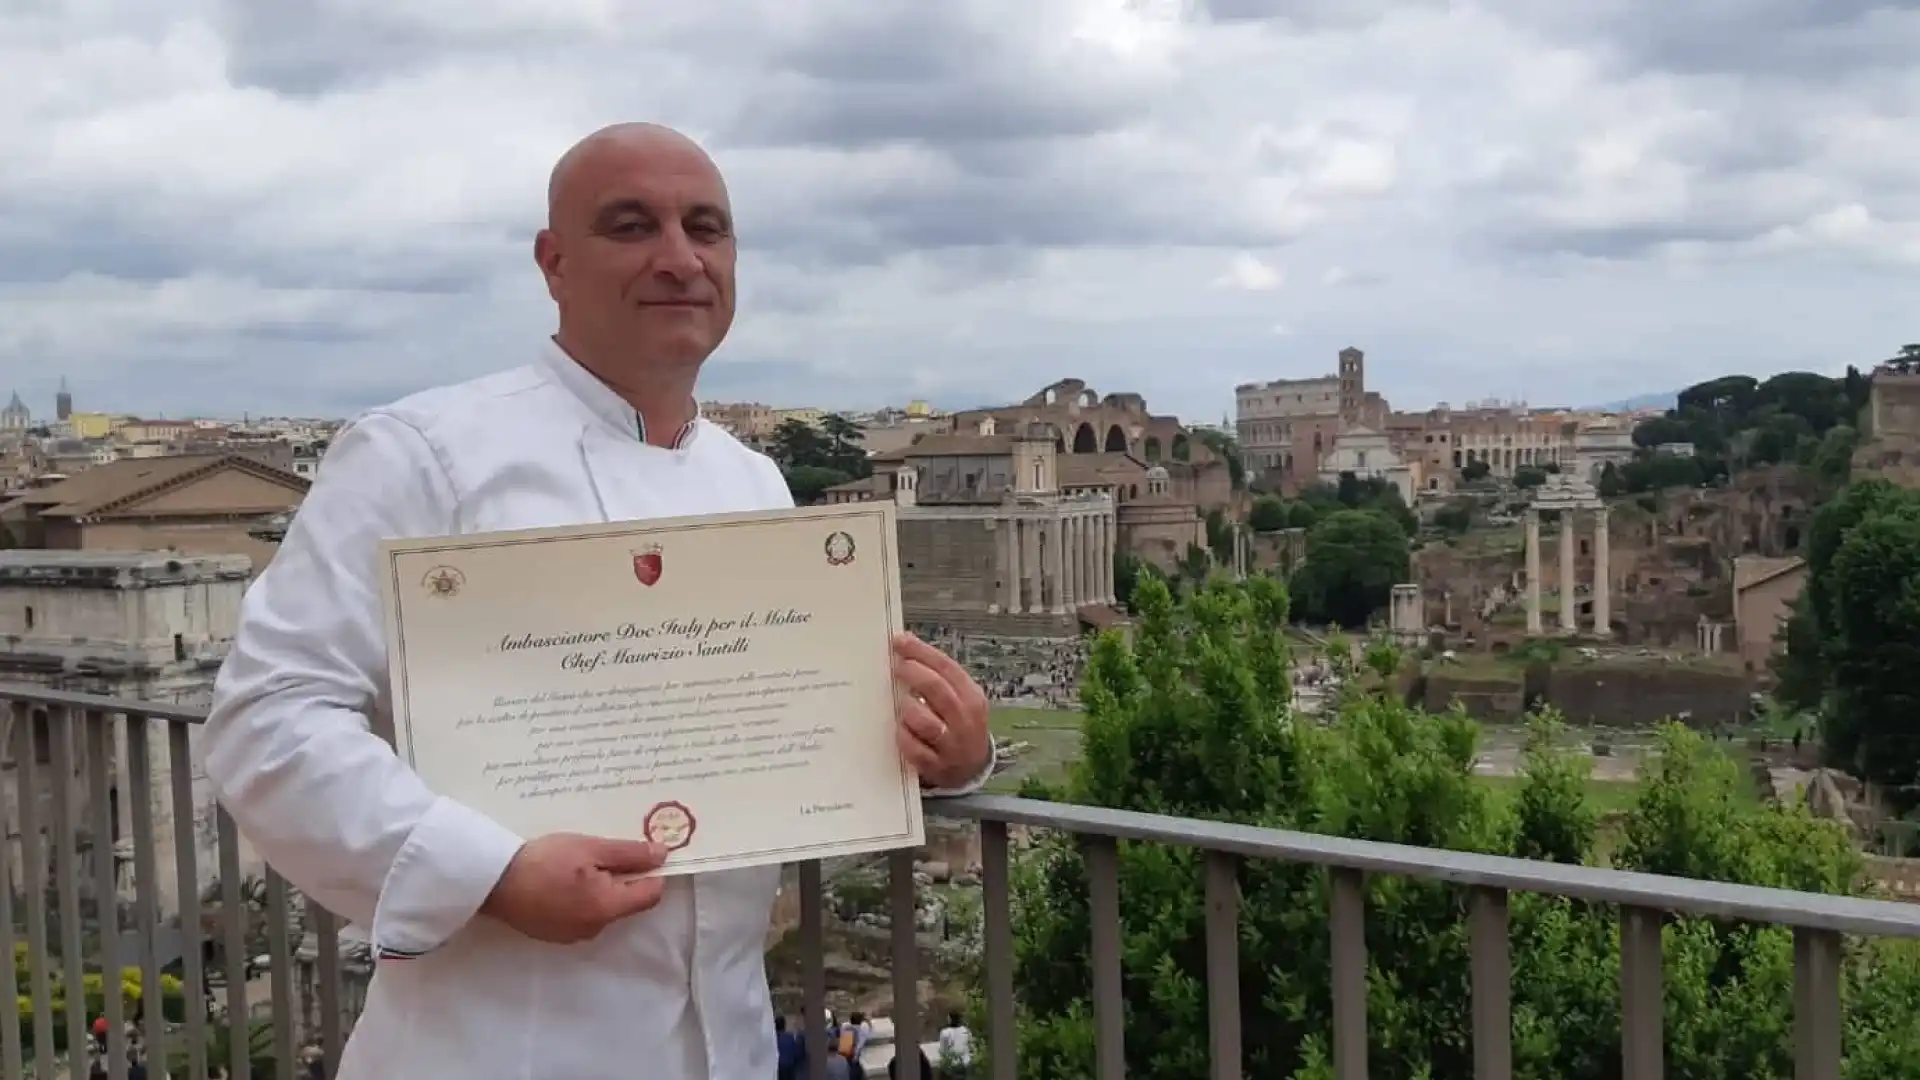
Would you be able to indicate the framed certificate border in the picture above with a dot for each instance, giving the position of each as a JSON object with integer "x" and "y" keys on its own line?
{"x": 400, "y": 561}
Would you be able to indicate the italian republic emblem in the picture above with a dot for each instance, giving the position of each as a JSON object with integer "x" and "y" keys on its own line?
{"x": 839, "y": 549}
{"x": 443, "y": 581}
{"x": 647, "y": 565}
{"x": 671, "y": 824}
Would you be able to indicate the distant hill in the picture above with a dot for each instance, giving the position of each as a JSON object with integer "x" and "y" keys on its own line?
{"x": 1644, "y": 401}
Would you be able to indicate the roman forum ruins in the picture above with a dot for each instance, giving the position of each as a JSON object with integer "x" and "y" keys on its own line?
{"x": 1569, "y": 495}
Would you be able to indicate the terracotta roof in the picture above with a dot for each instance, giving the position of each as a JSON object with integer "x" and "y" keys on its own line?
{"x": 115, "y": 483}
{"x": 878, "y": 482}
{"x": 1087, "y": 470}
{"x": 952, "y": 446}
{"x": 1759, "y": 572}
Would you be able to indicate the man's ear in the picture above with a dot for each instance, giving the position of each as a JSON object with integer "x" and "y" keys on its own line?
{"x": 546, "y": 255}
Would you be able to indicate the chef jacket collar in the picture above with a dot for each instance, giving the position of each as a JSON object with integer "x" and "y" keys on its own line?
{"x": 603, "y": 402}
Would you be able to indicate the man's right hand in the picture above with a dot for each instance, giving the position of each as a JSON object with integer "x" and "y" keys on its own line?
{"x": 566, "y": 888}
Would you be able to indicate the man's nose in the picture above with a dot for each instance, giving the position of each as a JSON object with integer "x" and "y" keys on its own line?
{"x": 676, "y": 256}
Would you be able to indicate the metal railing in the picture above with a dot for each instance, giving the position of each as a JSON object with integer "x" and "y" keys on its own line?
{"x": 62, "y": 747}
{"x": 64, "y": 752}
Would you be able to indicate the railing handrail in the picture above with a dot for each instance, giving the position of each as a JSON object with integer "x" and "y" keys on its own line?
{"x": 153, "y": 710}
{"x": 1786, "y": 907}
{"x": 1689, "y": 896}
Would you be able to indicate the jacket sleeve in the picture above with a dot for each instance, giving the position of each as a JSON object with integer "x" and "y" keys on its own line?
{"x": 289, "y": 745}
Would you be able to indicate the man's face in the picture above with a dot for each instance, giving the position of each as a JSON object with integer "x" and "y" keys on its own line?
{"x": 640, "y": 256}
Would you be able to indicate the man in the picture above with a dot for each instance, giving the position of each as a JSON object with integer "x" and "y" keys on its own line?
{"x": 502, "y": 956}
{"x": 789, "y": 1049}
{"x": 956, "y": 1047}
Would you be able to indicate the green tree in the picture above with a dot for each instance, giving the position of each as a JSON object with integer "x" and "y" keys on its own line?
{"x": 1529, "y": 476}
{"x": 1855, "y": 634}
{"x": 1193, "y": 717}
{"x": 1354, "y": 559}
{"x": 1475, "y": 469}
{"x": 1269, "y": 514}
{"x": 809, "y": 482}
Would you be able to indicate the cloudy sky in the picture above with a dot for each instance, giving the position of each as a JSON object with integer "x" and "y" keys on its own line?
{"x": 317, "y": 205}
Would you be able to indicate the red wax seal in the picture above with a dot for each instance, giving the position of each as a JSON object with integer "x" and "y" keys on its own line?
{"x": 670, "y": 823}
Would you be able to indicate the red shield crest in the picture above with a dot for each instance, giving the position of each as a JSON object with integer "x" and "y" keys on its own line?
{"x": 647, "y": 567}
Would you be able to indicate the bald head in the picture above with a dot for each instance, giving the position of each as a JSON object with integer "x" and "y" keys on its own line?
{"x": 619, "y": 146}
{"x": 638, "y": 252}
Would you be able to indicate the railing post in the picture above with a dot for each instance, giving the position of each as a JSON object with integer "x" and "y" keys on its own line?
{"x": 67, "y": 873}
{"x": 186, "y": 857}
{"x": 1348, "y": 920}
{"x": 12, "y": 1053}
{"x": 106, "y": 892}
{"x": 233, "y": 926}
{"x": 1817, "y": 1021}
{"x": 280, "y": 958}
{"x": 1492, "y": 969}
{"x": 1109, "y": 1003}
{"x": 906, "y": 955}
{"x": 996, "y": 888}
{"x": 813, "y": 961}
{"x": 29, "y": 729}
{"x": 146, "y": 883}
{"x": 1642, "y": 996}
{"x": 1223, "y": 966}
{"x": 326, "y": 930}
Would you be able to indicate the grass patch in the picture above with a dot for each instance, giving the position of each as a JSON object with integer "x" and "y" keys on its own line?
{"x": 1603, "y": 796}
{"x": 1053, "y": 736}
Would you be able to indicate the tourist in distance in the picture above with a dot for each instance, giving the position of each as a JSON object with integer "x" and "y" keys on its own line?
{"x": 501, "y": 956}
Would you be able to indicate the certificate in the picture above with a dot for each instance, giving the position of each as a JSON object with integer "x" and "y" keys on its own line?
{"x": 722, "y": 685}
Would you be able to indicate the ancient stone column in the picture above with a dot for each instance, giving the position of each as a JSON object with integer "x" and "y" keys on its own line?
{"x": 1032, "y": 572}
{"x": 1602, "y": 585}
{"x": 1078, "y": 552}
{"x": 1569, "y": 599}
{"x": 1013, "y": 572}
{"x": 1056, "y": 566}
{"x": 1533, "y": 571}
{"x": 1070, "y": 562}
{"x": 1107, "y": 528}
{"x": 1103, "y": 565}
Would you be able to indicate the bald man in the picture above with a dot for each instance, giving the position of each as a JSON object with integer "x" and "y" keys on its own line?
{"x": 501, "y": 956}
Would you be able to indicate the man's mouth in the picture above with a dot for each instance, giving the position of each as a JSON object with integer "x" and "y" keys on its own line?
{"x": 675, "y": 304}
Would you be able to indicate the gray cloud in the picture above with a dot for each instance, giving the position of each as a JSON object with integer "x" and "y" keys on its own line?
{"x": 318, "y": 204}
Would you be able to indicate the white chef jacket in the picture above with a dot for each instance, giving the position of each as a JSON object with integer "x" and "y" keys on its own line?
{"x": 294, "y": 749}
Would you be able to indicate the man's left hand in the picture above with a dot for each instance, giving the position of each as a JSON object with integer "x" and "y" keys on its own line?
{"x": 943, "y": 731}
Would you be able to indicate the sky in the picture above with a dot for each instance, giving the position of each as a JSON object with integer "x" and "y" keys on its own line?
{"x": 316, "y": 206}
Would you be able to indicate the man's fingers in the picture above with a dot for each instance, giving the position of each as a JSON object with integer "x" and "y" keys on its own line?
{"x": 634, "y": 895}
{"x": 925, "y": 683}
{"x": 919, "y": 757}
{"x": 919, "y": 721}
{"x": 621, "y": 857}
{"x": 909, "y": 647}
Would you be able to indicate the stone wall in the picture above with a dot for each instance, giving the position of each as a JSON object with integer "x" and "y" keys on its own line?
{"x": 1900, "y": 878}
{"x": 1594, "y": 694}
{"x": 1485, "y": 699}
{"x": 948, "y": 565}
{"x": 1643, "y": 696}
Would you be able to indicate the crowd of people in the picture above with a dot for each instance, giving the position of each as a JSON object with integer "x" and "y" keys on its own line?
{"x": 1041, "y": 672}
{"x": 847, "y": 1044}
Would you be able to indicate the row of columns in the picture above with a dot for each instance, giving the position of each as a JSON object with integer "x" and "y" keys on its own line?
{"x": 1053, "y": 565}
{"x": 1569, "y": 597}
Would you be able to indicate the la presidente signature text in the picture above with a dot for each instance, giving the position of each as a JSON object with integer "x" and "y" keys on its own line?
{"x": 655, "y": 642}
